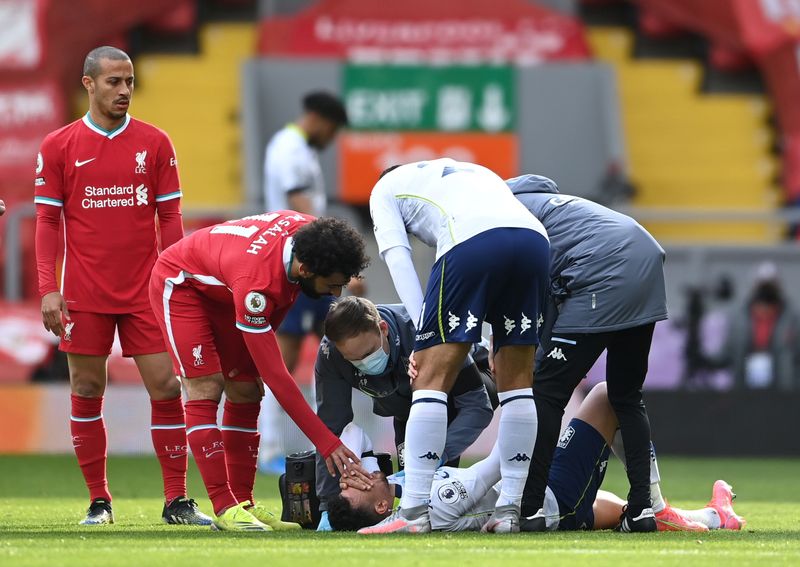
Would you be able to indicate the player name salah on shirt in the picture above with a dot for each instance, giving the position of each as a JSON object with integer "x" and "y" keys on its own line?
{"x": 247, "y": 262}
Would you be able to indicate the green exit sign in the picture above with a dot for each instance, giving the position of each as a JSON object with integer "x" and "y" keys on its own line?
{"x": 447, "y": 99}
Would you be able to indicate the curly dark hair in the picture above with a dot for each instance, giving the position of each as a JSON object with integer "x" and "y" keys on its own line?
{"x": 329, "y": 245}
{"x": 344, "y": 518}
{"x": 327, "y": 105}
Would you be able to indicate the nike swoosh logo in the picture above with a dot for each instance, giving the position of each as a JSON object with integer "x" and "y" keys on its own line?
{"x": 177, "y": 456}
{"x": 80, "y": 163}
{"x": 214, "y": 453}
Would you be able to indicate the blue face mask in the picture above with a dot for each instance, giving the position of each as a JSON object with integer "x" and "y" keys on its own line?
{"x": 375, "y": 363}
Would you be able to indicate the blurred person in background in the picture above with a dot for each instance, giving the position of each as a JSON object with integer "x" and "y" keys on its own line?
{"x": 293, "y": 180}
{"x": 762, "y": 342}
{"x": 109, "y": 176}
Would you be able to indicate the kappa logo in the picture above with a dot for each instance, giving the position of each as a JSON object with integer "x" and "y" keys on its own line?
{"x": 557, "y": 354}
{"x": 566, "y": 437}
{"x": 539, "y": 321}
{"x": 453, "y": 321}
{"x": 325, "y": 348}
{"x": 141, "y": 195}
{"x": 520, "y": 457}
{"x": 197, "y": 353}
{"x": 431, "y": 456}
{"x": 510, "y": 325}
{"x": 602, "y": 466}
{"x": 524, "y": 324}
{"x": 140, "y": 165}
{"x": 68, "y": 331}
{"x": 472, "y": 321}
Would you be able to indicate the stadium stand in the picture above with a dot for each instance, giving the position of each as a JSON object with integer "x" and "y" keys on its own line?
{"x": 688, "y": 149}
{"x": 195, "y": 97}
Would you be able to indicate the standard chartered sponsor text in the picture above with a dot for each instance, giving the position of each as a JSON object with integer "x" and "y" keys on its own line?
{"x": 113, "y": 196}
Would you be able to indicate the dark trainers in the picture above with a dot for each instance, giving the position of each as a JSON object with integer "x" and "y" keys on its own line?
{"x": 99, "y": 513}
{"x": 535, "y": 523}
{"x": 184, "y": 510}
{"x": 645, "y": 521}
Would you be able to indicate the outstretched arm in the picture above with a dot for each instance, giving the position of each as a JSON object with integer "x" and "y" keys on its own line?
{"x": 264, "y": 349}
{"x": 404, "y": 275}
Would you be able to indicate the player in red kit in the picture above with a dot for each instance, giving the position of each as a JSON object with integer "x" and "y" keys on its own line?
{"x": 106, "y": 177}
{"x": 218, "y": 295}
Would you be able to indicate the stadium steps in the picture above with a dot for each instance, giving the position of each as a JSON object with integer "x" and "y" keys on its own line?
{"x": 690, "y": 151}
{"x": 195, "y": 99}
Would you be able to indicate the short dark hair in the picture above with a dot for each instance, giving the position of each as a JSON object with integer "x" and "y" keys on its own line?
{"x": 344, "y": 518}
{"x": 351, "y": 316}
{"x": 329, "y": 245}
{"x": 326, "y": 105}
{"x": 389, "y": 170}
{"x": 91, "y": 65}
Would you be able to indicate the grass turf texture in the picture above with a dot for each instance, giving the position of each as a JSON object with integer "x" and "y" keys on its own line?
{"x": 43, "y": 497}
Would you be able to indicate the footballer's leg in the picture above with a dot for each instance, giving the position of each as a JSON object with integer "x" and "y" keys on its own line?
{"x": 205, "y": 439}
{"x": 243, "y": 393}
{"x": 88, "y": 429}
{"x": 516, "y": 434}
{"x": 718, "y": 513}
{"x": 667, "y": 517}
{"x": 87, "y": 341}
{"x": 597, "y": 411}
{"x": 187, "y": 330}
{"x": 513, "y": 310}
{"x": 140, "y": 337}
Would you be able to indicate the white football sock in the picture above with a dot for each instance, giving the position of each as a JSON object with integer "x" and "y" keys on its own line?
{"x": 485, "y": 472}
{"x": 426, "y": 433}
{"x": 516, "y": 437}
{"x": 706, "y": 516}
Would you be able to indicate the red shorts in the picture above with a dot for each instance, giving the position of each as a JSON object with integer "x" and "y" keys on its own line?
{"x": 201, "y": 335}
{"x": 93, "y": 333}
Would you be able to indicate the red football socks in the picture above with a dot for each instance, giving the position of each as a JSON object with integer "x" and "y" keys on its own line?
{"x": 205, "y": 440}
{"x": 90, "y": 443}
{"x": 241, "y": 438}
{"x": 168, "y": 430}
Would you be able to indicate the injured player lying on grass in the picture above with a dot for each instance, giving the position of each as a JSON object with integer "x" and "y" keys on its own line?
{"x": 463, "y": 499}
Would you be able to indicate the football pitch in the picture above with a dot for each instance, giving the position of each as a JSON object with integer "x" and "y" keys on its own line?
{"x": 42, "y": 498}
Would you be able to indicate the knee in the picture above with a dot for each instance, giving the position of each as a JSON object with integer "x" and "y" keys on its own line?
{"x": 164, "y": 386}
{"x": 87, "y": 389}
{"x": 86, "y": 384}
{"x": 209, "y": 388}
{"x": 243, "y": 392}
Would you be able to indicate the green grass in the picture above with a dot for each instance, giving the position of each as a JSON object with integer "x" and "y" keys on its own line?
{"x": 42, "y": 498}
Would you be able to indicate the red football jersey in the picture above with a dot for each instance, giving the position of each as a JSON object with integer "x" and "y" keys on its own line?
{"x": 109, "y": 185}
{"x": 246, "y": 261}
